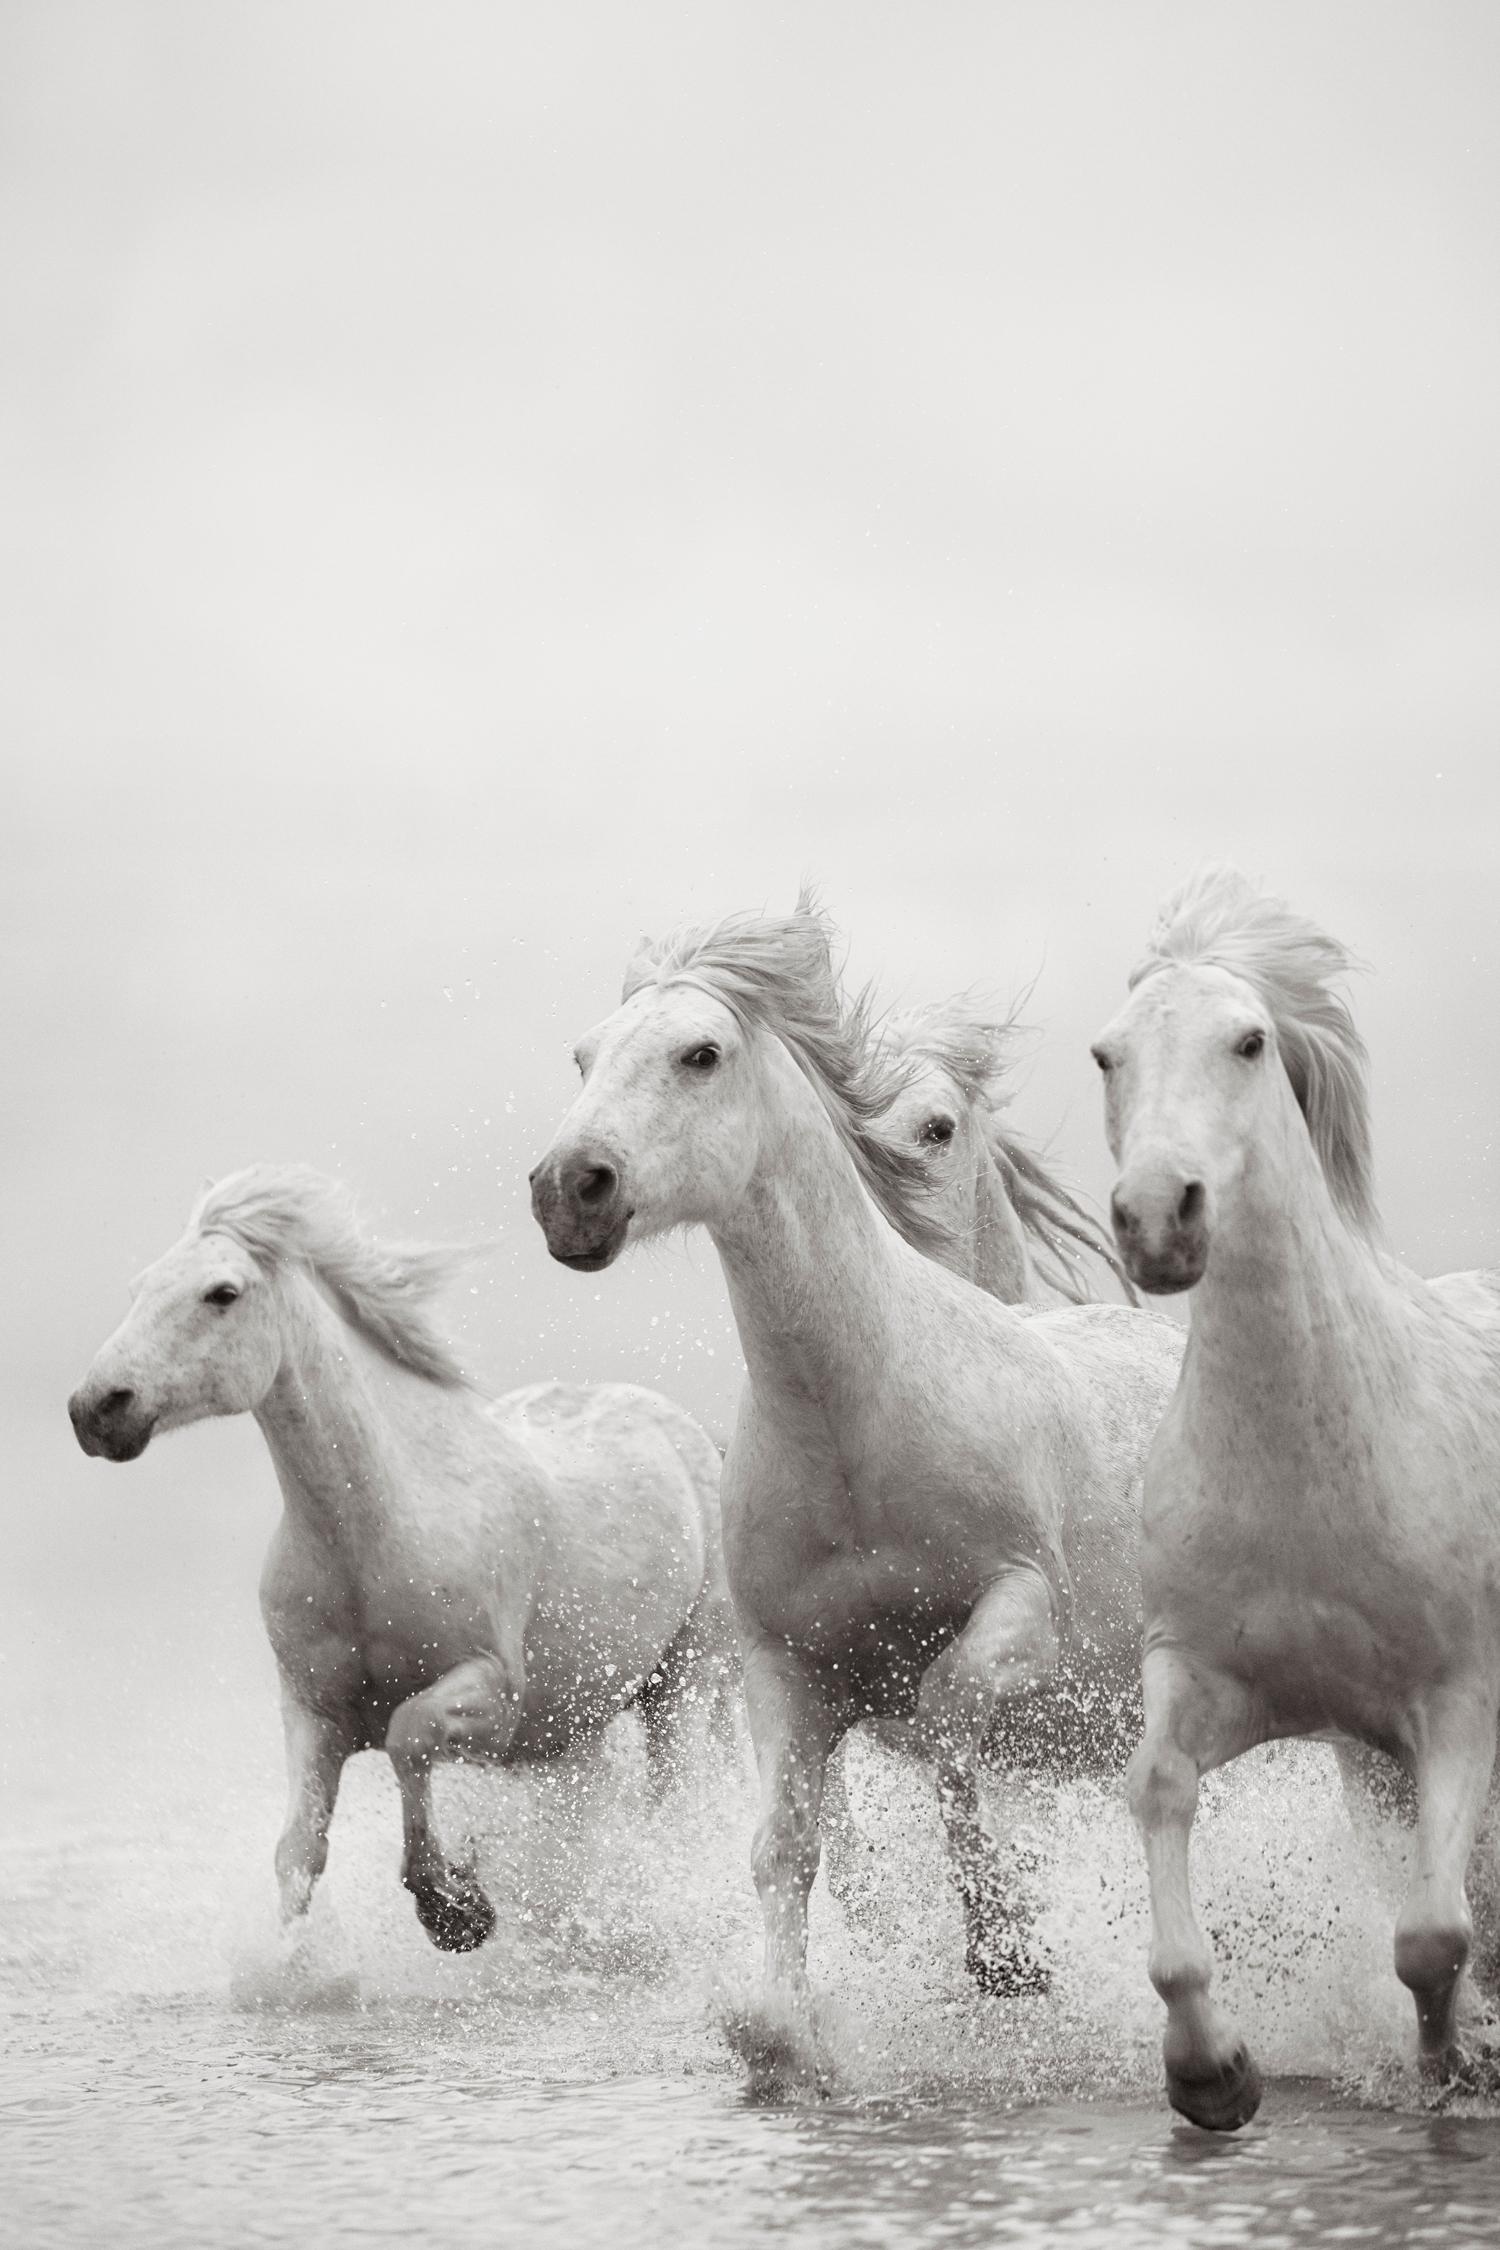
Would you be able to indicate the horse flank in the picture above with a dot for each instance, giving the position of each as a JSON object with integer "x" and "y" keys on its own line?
{"x": 1218, "y": 918}
{"x": 776, "y": 972}
{"x": 973, "y": 1046}
{"x": 282, "y": 1213}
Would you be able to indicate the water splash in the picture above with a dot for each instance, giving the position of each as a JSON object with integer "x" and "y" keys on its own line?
{"x": 628, "y": 1934}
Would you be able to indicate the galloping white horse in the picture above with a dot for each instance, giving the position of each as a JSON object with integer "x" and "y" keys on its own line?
{"x": 930, "y": 1498}
{"x": 449, "y": 1579}
{"x": 1008, "y": 1224}
{"x": 1004, "y": 1220}
{"x": 1322, "y": 1531}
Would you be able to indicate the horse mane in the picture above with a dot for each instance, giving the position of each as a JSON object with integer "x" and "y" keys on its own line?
{"x": 776, "y": 972}
{"x": 289, "y": 1212}
{"x": 973, "y": 1045}
{"x": 1219, "y": 918}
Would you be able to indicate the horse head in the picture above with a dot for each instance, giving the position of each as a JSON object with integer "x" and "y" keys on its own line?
{"x": 202, "y": 1337}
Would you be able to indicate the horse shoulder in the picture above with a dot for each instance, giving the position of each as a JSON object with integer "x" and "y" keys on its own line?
{"x": 310, "y": 1615}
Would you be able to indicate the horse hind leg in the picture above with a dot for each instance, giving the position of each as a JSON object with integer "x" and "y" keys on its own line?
{"x": 1000, "y": 1953}
{"x": 472, "y": 1712}
{"x": 1009, "y": 1644}
{"x": 693, "y": 1678}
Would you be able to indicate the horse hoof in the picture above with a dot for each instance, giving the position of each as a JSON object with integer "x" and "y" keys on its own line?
{"x": 458, "y": 1919}
{"x": 775, "y": 2036}
{"x": 1221, "y": 2101}
{"x": 1465, "y": 2070}
{"x": 1004, "y": 1972}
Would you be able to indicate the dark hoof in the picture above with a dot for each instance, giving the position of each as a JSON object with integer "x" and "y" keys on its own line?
{"x": 455, "y": 1913}
{"x": 1006, "y": 1971}
{"x": 1221, "y": 2102}
{"x": 1468, "y": 2069}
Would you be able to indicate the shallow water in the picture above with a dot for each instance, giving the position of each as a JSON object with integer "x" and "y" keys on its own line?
{"x": 167, "y": 2077}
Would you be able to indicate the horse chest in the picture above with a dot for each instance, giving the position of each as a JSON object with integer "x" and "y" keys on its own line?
{"x": 1335, "y": 1622}
{"x": 367, "y": 1640}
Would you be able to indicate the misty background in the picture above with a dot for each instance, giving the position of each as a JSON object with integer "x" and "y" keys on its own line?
{"x": 482, "y": 482}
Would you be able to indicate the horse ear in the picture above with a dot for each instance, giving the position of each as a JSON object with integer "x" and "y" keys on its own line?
{"x": 640, "y": 964}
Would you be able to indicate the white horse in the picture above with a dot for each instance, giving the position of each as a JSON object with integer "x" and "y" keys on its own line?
{"x": 1008, "y": 1224}
{"x": 450, "y": 1579}
{"x": 1004, "y": 1220}
{"x": 930, "y": 1498}
{"x": 1322, "y": 1530}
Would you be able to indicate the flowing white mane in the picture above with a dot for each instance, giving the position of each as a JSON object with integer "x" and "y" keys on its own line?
{"x": 776, "y": 971}
{"x": 290, "y": 1212}
{"x": 973, "y": 1046}
{"x": 1219, "y": 917}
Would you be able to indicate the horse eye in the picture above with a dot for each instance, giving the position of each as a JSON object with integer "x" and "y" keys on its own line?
{"x": 700, "y": 1058}
{"x": 1251, "y": 1045}
{"x": 938, "y": 1129}
{"x": 225, "y": 1294}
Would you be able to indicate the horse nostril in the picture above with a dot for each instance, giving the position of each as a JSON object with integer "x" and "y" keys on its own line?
{"x": 1190, "y": 1203}
{"x": 1119, "y": 1214}
{"x": 595, "y": 1184}
{"x": 115, "y": 1402}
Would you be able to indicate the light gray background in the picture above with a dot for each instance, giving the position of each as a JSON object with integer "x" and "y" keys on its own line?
{"x": 485, "y": 481}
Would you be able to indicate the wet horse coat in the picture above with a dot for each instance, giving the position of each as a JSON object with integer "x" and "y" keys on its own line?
{"x": 1322, "y": 1529}
{"x": 450, "y": 1578}
{"x": 930, "y": 1499}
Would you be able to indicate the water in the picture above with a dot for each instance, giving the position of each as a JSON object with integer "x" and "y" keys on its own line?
{"x": 166, "y": 2079}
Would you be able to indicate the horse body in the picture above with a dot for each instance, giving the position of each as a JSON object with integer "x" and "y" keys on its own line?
{"x": 449, "y": 1578}
{"x": 921, "y": 1481}
{"x": 1321, "y": 1535}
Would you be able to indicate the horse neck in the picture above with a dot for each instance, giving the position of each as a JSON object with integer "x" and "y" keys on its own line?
{"x": 1002, "y": 1262}
{"x": 1295, "y": 1309}
{"x": 811, "y": 1266}
{"x": 328, "y": 1419}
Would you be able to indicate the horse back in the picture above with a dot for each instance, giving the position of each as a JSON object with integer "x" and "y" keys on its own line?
{"x": 633, "y": 1489}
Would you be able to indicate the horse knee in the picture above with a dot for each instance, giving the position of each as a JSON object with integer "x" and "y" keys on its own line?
{"x": 784, "y": 1855}
{"x": 415, "y": 1735}
{"x": 1161, "y": 1785}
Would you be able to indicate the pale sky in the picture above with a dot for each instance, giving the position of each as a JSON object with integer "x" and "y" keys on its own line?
{"x": 483, "y": 481}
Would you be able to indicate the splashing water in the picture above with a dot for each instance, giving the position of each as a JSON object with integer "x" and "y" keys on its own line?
{"x": 172, "y": 2062}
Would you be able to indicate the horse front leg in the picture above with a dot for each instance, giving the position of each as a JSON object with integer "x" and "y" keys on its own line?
{"x": 1008, "y": 1644}
{"x": 316, "y": 1748}
{"x": 1455, "y": 1758}
{"x": 1196, "y": 1719}
{"x": 472, "y": 1712}
{"x": 793, "y": 1730}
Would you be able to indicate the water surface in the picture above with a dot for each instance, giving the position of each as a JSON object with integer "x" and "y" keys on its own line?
{"x": 168, "y": 2079}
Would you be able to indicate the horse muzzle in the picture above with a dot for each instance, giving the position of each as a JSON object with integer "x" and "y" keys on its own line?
{"x": 579, "y": 1203}
{"x": 1161, "y": 1229}
{"x": 111, "y": 1424}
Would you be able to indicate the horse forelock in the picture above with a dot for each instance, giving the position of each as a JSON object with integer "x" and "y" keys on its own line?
{"x": 964, "y": 1037}
{"x": 292, "y": 1214}
{"x": 777, "y": 974}
{"x": 974, "y": 1045}
{"x": 1219, "y": 919}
